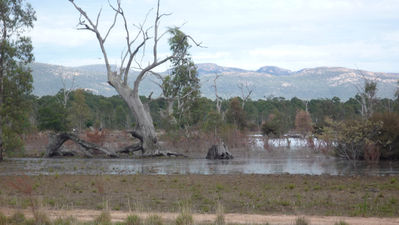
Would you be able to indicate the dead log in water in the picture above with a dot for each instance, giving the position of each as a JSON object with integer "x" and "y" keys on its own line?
{"x": 57, "y": 140}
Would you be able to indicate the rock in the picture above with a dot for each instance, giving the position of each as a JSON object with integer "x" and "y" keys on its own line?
{"x": 219, "y": 152}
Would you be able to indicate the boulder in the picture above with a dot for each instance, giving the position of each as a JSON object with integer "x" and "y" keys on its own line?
{"x": 219, "y": 152}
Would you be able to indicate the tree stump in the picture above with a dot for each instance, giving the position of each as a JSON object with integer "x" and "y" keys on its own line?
{"x": 219, "y": 152}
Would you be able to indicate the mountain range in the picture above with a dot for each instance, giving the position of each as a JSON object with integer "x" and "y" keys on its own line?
{"x": 267, "y": 81}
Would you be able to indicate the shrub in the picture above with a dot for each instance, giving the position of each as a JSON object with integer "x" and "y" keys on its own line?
{"x": 133, "y": 220}
{"x": 388, "y": 138}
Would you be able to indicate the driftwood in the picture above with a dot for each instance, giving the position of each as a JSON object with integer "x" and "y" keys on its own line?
{"x": 219, "y": 151}
{"x": 57, "y": 140}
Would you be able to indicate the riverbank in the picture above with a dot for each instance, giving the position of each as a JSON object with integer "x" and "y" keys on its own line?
{"x": 370, "y": 196}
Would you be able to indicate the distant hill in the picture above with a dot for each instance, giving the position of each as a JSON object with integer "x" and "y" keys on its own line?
{"x": 311, "y": 83}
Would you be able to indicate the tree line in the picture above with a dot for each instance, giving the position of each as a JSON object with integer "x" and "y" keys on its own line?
{"x": 363, "y": 127}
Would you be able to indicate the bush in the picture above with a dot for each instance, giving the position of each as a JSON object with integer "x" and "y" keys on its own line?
{"x": 353, "y": 139}
{"x": 388, "y": 138}
{"x": 133, "y": 220}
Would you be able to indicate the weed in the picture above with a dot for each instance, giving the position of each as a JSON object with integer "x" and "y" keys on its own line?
{"x": 103, "y": 219}
{"x": 219, "y": 214}
{"x": 41, "y": 218}
{"x": 17, "y": 218}
{"x": 219, "y": 187}
{"x": 185, "y": 217}
{"x": 65, "y": 221}
{"x": 3, "y": 219}
{"x": 302, "y": 221}
{"x": 341, "y": 223}
{"x": 133, "y": 220}
{"x": 153, "y": 220}
{"x": 317, "y": 188}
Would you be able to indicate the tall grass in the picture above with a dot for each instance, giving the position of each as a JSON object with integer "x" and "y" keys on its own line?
{"x": 219, "y": 214}
{"x": 103, "y": 219}
{"x": 185, "y": 217}
{"x": 153, "y": 220}
{"x": 302, "y": 221}
{"x": 133, "y": 220}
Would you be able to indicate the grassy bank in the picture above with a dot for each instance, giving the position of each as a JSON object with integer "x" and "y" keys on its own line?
{"x": 252, "y": 194}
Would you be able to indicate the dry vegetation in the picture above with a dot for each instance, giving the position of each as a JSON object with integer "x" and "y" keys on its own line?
{"x": 253, "y": 194}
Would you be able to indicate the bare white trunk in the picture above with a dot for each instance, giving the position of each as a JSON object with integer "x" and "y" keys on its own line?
{"x": 144, "y": 129}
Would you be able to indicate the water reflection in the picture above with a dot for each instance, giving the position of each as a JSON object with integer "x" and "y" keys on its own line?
{"x": 292, "y": 162}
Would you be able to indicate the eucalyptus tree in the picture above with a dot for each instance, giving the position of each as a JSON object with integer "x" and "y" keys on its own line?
{"x": 16, "y": 17}
{"x": 118, "y": 79}
{"x": 182, "y": 86}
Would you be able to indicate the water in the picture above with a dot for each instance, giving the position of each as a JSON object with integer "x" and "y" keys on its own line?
{"x": 292, "y": 161}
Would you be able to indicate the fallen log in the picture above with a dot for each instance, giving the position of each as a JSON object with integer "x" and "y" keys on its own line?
{"x": 57, "y": 140}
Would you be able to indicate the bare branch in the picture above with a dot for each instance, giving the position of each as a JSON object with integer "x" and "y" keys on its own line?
{"x": 114, "y": 22}
{"x": 98, "y": 17}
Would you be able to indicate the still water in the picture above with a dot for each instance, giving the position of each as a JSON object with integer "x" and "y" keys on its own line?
{"x": 291, "y": 161}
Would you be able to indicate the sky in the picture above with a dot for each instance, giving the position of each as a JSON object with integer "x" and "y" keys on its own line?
{"x": 248, "y": 34}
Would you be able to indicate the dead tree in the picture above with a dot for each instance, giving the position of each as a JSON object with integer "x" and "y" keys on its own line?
{"x": 118, "y": 79}
{"x": 217, "y": 97}
{"x": 67, "y": 91}
{"x": 246, "y": 93}
{"x": 57, "y": 140}
{"x": 367, "y": 96}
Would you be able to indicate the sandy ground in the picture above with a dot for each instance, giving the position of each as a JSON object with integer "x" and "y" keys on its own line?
{"x": 118, "y": 216}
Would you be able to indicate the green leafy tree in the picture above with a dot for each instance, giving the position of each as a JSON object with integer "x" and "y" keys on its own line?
{"x": 51, "y": 114}
{"x": 236, "y": 114}
{"x": 15, "y": 75}
{"x": 79, "y": 112}
{"x": 182, "y": 86}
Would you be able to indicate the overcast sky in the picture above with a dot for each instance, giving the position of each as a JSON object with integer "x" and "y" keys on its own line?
{"x": 292, "y": 34}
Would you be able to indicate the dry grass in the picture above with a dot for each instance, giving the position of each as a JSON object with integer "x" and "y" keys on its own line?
{"x": 253, "y": 194}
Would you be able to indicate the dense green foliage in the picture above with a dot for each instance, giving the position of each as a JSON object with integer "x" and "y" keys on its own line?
{"x": 113, "y": 113}
{"x": 15, "y": 75}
